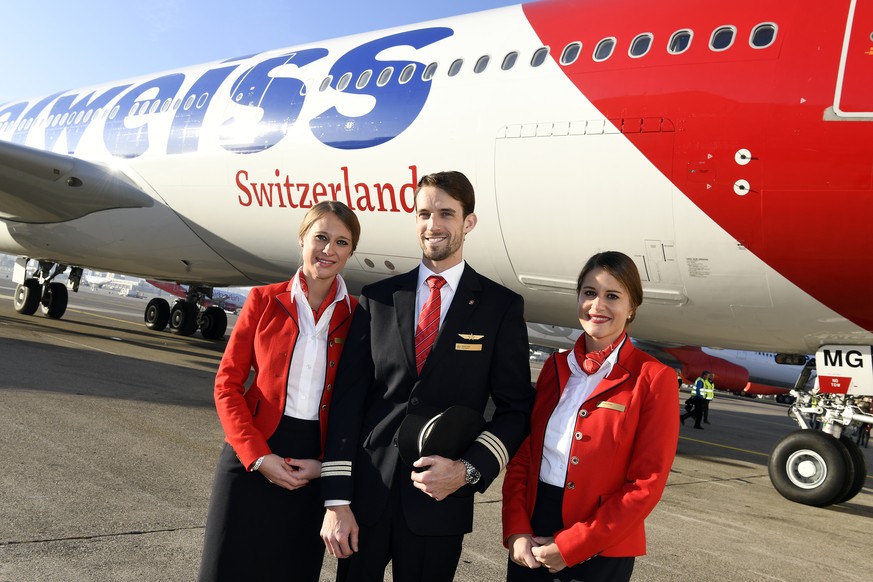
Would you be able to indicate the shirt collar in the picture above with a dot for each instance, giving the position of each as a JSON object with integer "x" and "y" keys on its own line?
{"x": 342, "y": 293}
{"x": 605, "y": 368}
{"x": 451, "y": 275}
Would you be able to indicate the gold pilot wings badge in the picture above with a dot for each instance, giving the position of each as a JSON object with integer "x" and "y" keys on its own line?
{"x": 470, "y": 336}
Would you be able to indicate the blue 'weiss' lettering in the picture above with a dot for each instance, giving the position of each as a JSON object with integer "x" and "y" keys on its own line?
{"x": 133, "y": 117}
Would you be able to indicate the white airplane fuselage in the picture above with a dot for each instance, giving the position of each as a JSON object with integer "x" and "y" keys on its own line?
{"x": 721, "y": 171}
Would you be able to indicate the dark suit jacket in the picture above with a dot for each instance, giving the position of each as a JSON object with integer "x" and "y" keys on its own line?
{"x": 377, "y": 384}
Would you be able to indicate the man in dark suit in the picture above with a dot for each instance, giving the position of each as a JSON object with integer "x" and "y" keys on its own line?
{"x": 416, "y": 517}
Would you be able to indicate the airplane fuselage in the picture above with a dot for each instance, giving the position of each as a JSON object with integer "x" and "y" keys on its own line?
{"x": 738, "y": 172}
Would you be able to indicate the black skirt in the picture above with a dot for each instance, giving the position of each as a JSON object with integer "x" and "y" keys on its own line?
{"x": 546, "y": 521}
{"x": 259, "y": 531}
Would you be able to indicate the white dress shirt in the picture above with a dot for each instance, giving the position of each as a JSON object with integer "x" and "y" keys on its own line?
{"x": 559, "y": 432}
{"x": 308, "y": 367}
{"x": 447, "y": 293}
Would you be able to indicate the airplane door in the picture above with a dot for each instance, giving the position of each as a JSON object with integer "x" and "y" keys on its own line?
{"x": 568, "y": 190}
{"x": 854, "y": 96}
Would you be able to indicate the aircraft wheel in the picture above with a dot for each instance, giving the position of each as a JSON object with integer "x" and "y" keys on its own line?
{"x": 811, "y": 467}
{"x": 183, "y": 318}
{"x": 53, "y": 303}
{"x": 157, "y": 314}
{"x": 860, "y": 465}
{"x": 213, "y": 323}
{"x": 26, "y": 299}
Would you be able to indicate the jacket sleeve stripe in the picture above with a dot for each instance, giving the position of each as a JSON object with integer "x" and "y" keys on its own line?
{"x": 496, "y": 446}
{"x": 336, "y": 469}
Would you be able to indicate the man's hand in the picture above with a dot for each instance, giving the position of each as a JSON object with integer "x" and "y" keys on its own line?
{"x": 279, "y": 471}
{"x": 441, "y": 478}
{"x": 339, "y": 531}
{"x": 520, "y": 550}
{"x": 546, "y": 553}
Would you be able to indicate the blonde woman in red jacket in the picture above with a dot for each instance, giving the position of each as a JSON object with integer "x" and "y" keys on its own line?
{"x": 266, "y": 511}
{"x": 602, "y": 441}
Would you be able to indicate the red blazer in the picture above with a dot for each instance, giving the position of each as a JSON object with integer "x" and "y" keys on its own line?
{"x": 263, "y": 338}
{"x": 622, "y": 450}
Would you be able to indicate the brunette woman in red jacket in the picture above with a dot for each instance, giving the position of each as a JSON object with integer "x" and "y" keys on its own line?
{"x": 266, "y": 511}
{"x": 603, "y": 436}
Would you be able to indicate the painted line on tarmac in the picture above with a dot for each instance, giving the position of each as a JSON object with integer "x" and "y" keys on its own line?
{"x": 723, "y": 446}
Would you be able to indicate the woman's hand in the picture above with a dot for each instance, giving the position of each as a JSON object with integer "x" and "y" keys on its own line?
{"x": 520, "y": 550}
{"x": 289, "y": 473}
{"x": 546, "y": 552}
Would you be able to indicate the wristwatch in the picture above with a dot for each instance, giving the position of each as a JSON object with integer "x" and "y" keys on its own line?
{"x": 473, "y": 475}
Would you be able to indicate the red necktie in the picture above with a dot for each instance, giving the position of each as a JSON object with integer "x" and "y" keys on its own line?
{"x": 428, "y": 321}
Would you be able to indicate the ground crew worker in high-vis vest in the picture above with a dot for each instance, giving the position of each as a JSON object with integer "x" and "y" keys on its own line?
{"x": 696, "y": 401}
{"x": 707, "y": 392}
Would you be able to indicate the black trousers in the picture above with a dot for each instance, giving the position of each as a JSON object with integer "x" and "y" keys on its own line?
{"x": 259, "y": 531}
{"x": 413, "y": 557}
{"x": 696, "y": 411}
{"x": 547, "y": 520}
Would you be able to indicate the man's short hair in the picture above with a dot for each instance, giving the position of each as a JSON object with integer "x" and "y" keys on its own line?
{"x": 453, "y": 183}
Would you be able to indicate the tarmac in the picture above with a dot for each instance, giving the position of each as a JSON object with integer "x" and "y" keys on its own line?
{"x": 109, "y": 441}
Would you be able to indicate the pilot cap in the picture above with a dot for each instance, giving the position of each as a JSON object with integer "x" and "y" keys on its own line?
{"x": 430, "y": 432}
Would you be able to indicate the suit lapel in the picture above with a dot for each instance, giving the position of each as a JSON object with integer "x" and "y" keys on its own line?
{"x": 404, "y": 314}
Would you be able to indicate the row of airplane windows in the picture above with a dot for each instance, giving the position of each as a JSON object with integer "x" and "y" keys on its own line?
{"x": 721, "y": 39}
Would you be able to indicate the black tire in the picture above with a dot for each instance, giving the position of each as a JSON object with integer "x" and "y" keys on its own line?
{"x": 53, "y": 302}
{"x": 811, "y": 467}
{"x": 213, "y": 323}
{"x": 183, "y": 318}
{"x": 26, "y": 300}
{"x": 157, "y": 314}
{"x": 860, "y": 464}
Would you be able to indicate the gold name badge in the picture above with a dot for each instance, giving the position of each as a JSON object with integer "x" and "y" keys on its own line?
{"x": 611, "y": 405}
{"x": 468, "y": 347}
{"x": 339, "y": 340}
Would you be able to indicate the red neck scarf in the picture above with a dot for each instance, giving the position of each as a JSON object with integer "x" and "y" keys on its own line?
{"x": 591, "y": 361}
{"x": 328, "y": 299}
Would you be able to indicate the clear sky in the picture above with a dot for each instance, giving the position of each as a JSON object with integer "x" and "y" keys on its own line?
{"x": 55, "y": 45}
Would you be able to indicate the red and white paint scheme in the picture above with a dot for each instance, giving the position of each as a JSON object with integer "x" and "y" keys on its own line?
{"x": 727, "y": 147}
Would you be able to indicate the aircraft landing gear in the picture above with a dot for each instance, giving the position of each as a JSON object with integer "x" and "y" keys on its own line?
{"x": 39, "y": 291}
{"x": 812, "y": 468}
{"x": 185, "y": 316}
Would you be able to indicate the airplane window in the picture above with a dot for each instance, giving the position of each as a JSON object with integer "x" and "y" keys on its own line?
{"x": 763, "y": 35}
{"x": 190, "y": 101}
{"x": 640, "y": 45}
{"x": 539, "y": 57}
{"x": 176, "y": 104}
{"x": 571, "y": 53}
{"x": 455, "y": 67}
{"x": 202, "y": 101}
{"x": 87, "y": 117}
{"x": 54, "y": 121}
{"x": 363, "y": 79}
{"x": 71, "y": 118}
{"x": 326, "y": 83}
{"x": 679, "y": 42}
{"x": 406, "y": 73}
{"x": 343, "y": 82}
{"x": 166, "y": 104}
{"x": 722, "y": 38}
{"x": 29, "y": 123}
{"x": 604, "y": 49}
{"x": 509, "y": 61}
{"x": 429, "y": 72}
{"x": 133, "y": 109}
{"x": 385, "y": 76}
{"x": 481, "y": 64}
{"x": 79, "y": 117}
{"x": 155, "y": 106}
